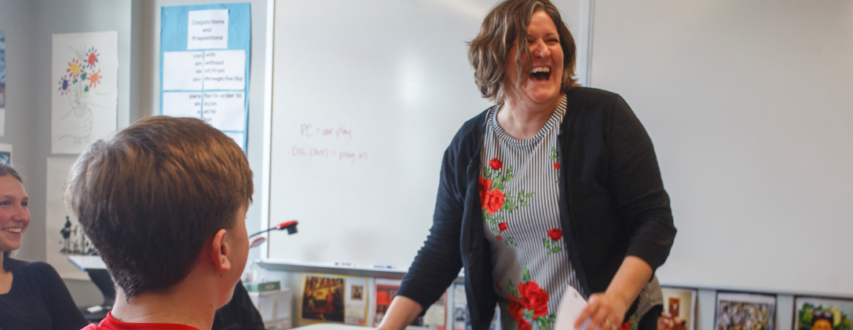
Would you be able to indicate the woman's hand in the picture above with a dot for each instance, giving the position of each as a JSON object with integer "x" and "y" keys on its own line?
{"x": 604, "y": 311}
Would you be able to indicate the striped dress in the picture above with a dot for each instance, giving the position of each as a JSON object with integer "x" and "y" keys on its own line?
{"x": 520, "y": 193}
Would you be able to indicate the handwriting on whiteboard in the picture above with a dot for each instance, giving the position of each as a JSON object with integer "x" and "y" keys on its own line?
{"x": 340, "y": 155}
{"x": 308, "y": 130}
{"x": 328, "y": 149}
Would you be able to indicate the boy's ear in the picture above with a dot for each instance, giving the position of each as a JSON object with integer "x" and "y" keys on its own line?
{"x": 220, "y": 251}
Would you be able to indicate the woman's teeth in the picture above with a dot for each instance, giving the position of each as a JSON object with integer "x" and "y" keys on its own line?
{"x": 14, "y": 230}
{"x": 540, "y": 73}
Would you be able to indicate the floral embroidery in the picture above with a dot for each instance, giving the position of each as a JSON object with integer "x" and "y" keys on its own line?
{"x": 555, "y": 157}
{"x": 529, "y": 304}
{"x": 495, "y": 164}
{"x": 550, "y": 242}
{"x": 493, "y": 198}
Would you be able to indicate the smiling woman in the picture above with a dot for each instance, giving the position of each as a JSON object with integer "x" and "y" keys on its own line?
{"x": 554, "y": 186}
{"x": 32, "y": 296}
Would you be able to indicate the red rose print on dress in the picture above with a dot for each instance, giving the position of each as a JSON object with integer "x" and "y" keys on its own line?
{"x": 556, "y": 166}
{"x": 555, "y": 234}
{"x": 495, "y": 164}
{"x": 534, "y": 298}
{"x": 494, "y": 201}
{"x": 494, "y": 198}
{"x": 550, "y": 242}
{"x": 529, "y": 303}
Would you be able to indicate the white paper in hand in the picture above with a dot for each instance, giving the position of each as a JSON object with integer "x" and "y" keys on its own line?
{"x": 571, "y": 307}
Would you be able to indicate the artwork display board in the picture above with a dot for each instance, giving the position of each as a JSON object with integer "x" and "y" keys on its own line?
{"x": 745, "y": 311}
{"x": 333, "y": 298}
{"x": 679, "y": 309}
{"x": 204, "y": 65}
{"x": 63, "y": 234}
{"x": 84, "y": 96}
{"x": 813, "y": 313}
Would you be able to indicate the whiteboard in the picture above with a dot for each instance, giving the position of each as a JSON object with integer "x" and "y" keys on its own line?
{"x": 749, "y": 106}
{"x": 367, "y": 96}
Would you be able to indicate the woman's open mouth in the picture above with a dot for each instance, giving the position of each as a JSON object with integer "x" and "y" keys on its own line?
{"x": 540, "y": 73}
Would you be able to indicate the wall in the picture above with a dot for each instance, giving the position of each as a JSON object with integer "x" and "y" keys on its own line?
{"x": 29, "y": 25}
{"x": 68, "y": 17}
{"x": 148, "y": 14}
{"x": 16, "y": 20}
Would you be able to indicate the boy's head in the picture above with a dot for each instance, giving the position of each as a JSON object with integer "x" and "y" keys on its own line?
{"x": 157, "y": 195}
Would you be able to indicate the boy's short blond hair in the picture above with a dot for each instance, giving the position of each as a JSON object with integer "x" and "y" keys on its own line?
{"x": 151, "y": 196}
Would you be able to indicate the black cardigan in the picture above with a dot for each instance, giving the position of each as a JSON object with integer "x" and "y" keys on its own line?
{"x": 38, "y": 299}
{"x": 612, "y": 205}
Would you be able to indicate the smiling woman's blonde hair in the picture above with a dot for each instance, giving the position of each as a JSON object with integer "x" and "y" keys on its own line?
{"x": 505, "y": 24}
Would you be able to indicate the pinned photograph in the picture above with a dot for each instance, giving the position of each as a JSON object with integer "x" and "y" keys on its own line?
{"x": 679, "y": 309}
{"x": 745, "y": 311}
{"x": 323, "y": 299}
{"x": 357, "y": 290}
{"x": 814, "y": 313}
{"x": 332, "y": 298}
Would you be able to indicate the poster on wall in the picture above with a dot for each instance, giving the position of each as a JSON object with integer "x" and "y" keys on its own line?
{"x": 679, "y": 309}
{"x": 435, "y": 318}
{"x": 5, "y": 154}
{"x": 813, "y": 313}
{"x": 332, "y": 298}
{"x": 204, "y": 65}
{"x": 84, "y": 91}
{"x": 2, "y": 83}
{"x": 63, "y": 234}
{"x": 745, "y": 311}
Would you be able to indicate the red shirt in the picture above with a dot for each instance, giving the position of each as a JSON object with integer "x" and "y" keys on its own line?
{"x": 109, "y": 323}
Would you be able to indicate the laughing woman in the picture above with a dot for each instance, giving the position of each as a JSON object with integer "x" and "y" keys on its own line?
{"x": 32, "y": 296}
{"x": 555, "y": 186}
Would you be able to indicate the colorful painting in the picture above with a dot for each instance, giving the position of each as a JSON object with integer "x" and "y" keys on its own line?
{"x": 84, "y": 94}
{"x": 323, "y": 299}
{"x": 822, "y": 314}
{"x": 744, "y": 311}
{"x": 678, "y": 309}
{"x": 333, "y": 298}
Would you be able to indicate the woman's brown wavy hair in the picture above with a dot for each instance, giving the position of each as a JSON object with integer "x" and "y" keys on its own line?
{"x": 505, "y": 24}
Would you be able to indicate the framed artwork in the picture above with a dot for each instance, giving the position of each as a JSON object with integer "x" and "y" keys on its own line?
{"x": 814, "y": 313}
{"x": 679, "y": 309}
{"x": 332, "y": 298}
{"x": 745, "y": 311}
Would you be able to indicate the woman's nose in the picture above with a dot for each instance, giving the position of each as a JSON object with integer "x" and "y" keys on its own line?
{"x": 540, "y": 49}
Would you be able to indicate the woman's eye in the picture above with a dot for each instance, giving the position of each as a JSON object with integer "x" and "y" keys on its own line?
{"x": 24, "y": 204}
{"x": 4, "y": 203}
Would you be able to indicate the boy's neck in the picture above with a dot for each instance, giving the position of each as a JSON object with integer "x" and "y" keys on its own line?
{"x": 191, "y": 302}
